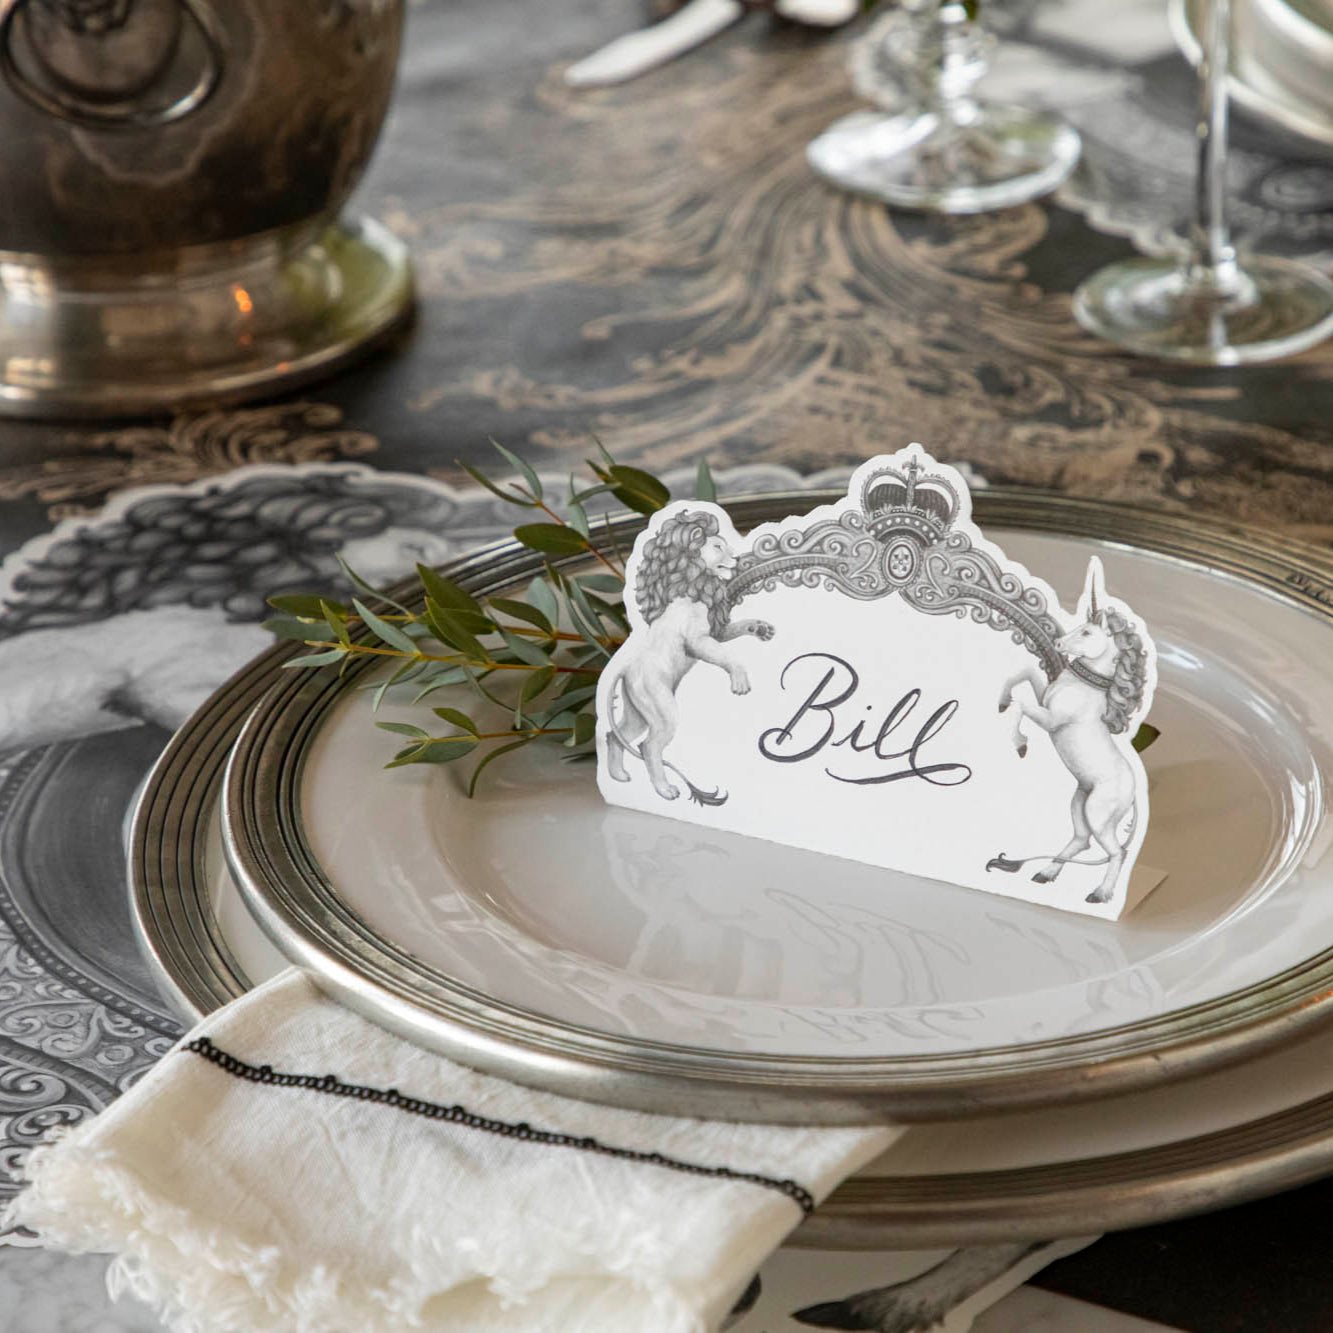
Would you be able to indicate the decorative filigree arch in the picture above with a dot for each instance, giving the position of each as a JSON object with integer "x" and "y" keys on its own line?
{"x": 950, "y": 576}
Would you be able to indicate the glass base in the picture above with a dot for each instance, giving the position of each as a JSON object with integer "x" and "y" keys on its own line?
{"x": 1156, "y": 307}
{"x": 1003, "y": 155}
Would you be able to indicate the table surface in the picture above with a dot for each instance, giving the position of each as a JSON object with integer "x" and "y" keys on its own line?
{"x": 655, "y": 264}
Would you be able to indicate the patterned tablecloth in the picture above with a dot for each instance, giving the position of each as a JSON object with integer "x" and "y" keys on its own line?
{"x": 656, "y": 264}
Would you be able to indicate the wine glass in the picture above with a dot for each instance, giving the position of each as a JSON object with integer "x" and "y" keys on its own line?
{"x": 932, "y": 145}
{"x": 1211, "y": 307}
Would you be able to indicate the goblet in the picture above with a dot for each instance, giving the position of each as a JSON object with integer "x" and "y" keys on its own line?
{"x": 932, "y": 145}
{"x": 1211, "y": 307}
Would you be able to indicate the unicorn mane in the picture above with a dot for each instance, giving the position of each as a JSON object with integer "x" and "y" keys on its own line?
{"x": 1129, "y": 676}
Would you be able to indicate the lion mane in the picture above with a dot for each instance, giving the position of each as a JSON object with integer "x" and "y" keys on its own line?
{"x": 671, "y": 569}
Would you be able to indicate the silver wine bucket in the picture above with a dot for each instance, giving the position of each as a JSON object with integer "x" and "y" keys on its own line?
{"x": 171, "y": 175}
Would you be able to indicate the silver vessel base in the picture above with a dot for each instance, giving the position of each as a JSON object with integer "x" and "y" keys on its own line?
{"x": 210, "y": 325}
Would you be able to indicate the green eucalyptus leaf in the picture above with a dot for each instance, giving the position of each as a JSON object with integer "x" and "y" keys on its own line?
{"x": 705, "y": 488}
{"x": 383, "y": 630}
{"x": 303, "y": 631}
{"x": 488, "y": 759}
{"x": 509, "y": 497}
{"x": 450, "y": 677}
{"x": 576, "y": 692}
{"x": 316, "y": 659}
{"x": 638, "y": 490}
{"x": 460, "y": 720}
{"x": 405, "y": 673}
{"x": 446, "y": 628}
{"x": 590, "y": 634}
{"x": 585, "y": 726}
{"x": 434, "y": 752}
{"x": 587, "y": 493}
{"x": 585, "y": 617}
{"x": 445, "y": 591}
{"x": 551, "y": 538}
{"x": 524, "y": 649}
{"x": 542, "y": 596}
{"x": 370, "y": 590}
{"x": 337, "y": 622}
{"x": 303, "y": 605}
{"x": 608, "y": 583}
{"x": 534, "y": 684}
{"x": 519, "y": 465}
{"x": 522, "y": 611}
{"x": 1145, "y": 736}
{"x": 473, "y": 621}
{"x": 403, "y": 729}
{"x": 578, "y": 520}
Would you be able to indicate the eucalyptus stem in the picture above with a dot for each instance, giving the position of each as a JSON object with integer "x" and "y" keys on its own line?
{"x": 556, "y": 518}
{"x": 457, "y": 659}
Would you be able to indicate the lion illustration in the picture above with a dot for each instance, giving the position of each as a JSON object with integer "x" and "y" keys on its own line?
{"x": 681, "y": 591}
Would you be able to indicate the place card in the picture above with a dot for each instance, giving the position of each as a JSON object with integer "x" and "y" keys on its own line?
{"x": 877, "y": 680}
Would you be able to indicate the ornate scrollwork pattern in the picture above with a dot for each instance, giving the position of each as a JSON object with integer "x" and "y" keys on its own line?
{"x": 834, "y": 553}
{"x": 948, "y": 577}
{"x": 956, "y": 578}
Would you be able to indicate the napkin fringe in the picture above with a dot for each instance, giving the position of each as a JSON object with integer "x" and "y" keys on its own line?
{"x": 209, "y": 1281}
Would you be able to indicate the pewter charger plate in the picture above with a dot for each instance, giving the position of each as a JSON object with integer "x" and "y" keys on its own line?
{"x": 542, "y": 936}
{"x": 1159, "y": 1153}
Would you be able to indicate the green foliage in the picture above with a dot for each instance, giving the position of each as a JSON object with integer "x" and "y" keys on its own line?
{"x": 531, "y": 661}
{"x": 1144, "y": 736}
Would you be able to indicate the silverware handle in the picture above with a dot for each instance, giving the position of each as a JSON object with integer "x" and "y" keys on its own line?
{"x": 126, "y": 115}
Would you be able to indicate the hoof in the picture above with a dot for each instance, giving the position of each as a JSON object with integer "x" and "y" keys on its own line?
{"x": 1004, "y": 707}
{"x": 1023, "y": 751}
{"x": 1043, "y": 877}
{"x": 1098, "y": 898}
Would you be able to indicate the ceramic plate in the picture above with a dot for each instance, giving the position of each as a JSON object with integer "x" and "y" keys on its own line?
{"x": 538, "y": 934}
{"x": 1192, "y": 1145}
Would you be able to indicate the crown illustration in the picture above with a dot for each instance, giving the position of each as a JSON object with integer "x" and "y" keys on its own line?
{"x": 909, "y": 502}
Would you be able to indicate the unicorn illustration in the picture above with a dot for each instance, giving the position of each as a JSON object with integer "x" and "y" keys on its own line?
{"x": 1084, "y": 709}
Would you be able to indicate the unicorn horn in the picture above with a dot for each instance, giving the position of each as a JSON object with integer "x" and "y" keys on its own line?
{"x": 1094, "y": 578}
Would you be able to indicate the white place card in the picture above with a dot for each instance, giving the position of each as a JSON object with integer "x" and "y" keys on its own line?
{"x": 877, "y": 680}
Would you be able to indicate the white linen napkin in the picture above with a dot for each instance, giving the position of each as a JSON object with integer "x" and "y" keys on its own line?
{"x": 291, "y": 1166}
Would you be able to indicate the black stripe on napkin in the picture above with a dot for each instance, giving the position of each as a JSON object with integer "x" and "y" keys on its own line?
{"x": 459, "y": 1115}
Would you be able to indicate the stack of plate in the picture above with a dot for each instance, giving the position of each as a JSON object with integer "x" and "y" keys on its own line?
{"x": 1069, "y": 1074}
{"x": 1281, "y": 59}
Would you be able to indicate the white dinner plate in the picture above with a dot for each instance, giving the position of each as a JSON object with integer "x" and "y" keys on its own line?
{"x": 1255, "y": 791}
{"x": 544, "y": 936}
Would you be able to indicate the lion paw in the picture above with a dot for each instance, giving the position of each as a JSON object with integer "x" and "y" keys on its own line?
{"x": 666, "y": 791}
{"x": 740, "y": 684}
{"x": 763, "y": 630}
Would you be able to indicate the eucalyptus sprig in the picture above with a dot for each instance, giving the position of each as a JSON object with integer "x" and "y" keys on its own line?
{"x": 456, "y": 640}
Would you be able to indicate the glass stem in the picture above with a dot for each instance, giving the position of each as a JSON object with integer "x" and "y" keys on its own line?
{"x": 962, "y": 62}
{"x": 1212, "y": 259}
